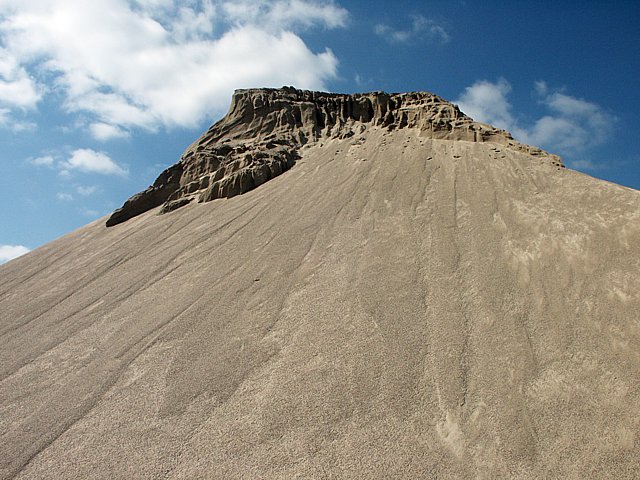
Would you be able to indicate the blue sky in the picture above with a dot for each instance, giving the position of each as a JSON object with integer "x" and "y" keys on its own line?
{"x": 97, "y": 97}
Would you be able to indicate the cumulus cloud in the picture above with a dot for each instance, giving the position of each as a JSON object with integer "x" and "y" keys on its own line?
{"x": 148, "y": 64}
{"x": 16, "y": 87}
{"x": 18, "y": 92}
{"x": 487, "y": 102}
{"x": 574, "y": 123}
{"x": 420, "y": 27}
{"x": 89, "y": 161}
{"x": 84, "y": 160}
{"x": 571, "y": 125}
{"x": 9, "y": 252}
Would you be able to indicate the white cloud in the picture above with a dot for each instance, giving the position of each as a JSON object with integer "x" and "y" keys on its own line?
{"x": 421, "y": 27}
{"x": 43, "y": 161}
{"x": 83, "y": 160}
{"x": 90, "y": 161}
{"x": 8, "y": 120}
{"x": 86, "y": 191}
{"x": 572, "y": 124}
{"x": 18, "y": 92}
{"x": 596, "y": 124}
{"x": 15, "y": 125}
{"x": 64, "y": 197}
{"x": 18, "y": 126}
{"x": 9, "y": 252}
{"x": 541, "y": 88}
{"x": 487, "y": 102}
{"x": 286, "y": 14}
{"x": 17, "y": 89}
{"x": 183, "y": 21}
{"x": 104, "y": 131}
{"x": 160, "y": 63}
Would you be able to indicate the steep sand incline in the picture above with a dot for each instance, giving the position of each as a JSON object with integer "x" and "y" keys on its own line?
{"x": 390, "y": 307}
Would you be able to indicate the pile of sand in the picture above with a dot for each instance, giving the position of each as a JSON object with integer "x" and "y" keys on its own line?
{"x": 397, "y": 304}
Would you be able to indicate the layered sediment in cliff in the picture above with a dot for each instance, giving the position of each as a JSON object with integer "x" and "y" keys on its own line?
{"x": 260, "y": 136}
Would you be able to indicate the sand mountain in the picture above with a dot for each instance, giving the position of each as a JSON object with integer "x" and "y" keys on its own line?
{"x": 406, "y": 294}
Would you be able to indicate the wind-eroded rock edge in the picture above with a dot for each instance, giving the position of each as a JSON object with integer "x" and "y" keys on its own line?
{"x": 260, "y": 136}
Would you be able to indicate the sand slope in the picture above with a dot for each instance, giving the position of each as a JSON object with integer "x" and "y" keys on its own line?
{"x": 391, "y": 307}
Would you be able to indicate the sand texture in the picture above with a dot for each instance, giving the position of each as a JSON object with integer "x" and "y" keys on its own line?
{"x": 393, "y": 305}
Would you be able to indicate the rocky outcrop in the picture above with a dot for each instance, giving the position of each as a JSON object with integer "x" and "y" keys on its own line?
{"x": 165, "y": 185}
{"x": 260, "y": 136}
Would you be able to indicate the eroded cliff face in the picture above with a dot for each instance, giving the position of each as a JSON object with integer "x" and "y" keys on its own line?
{"x": 260, "y": 136}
